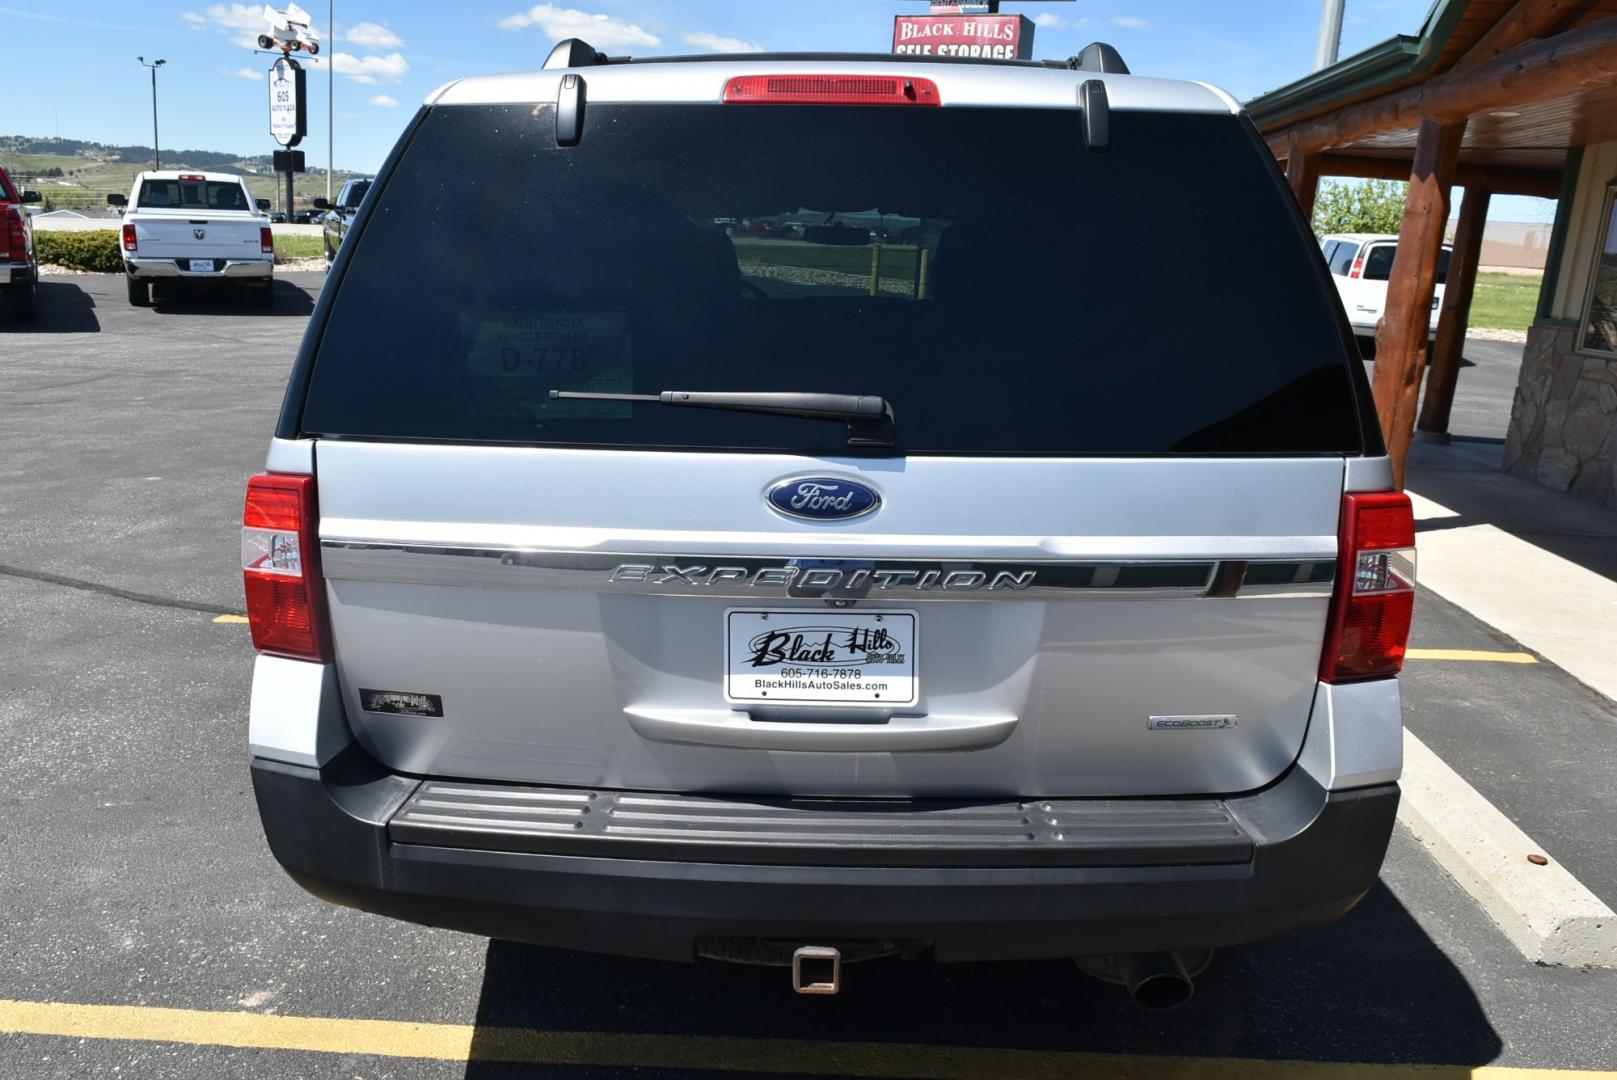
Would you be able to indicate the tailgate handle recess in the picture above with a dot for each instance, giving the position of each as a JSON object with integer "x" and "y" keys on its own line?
{"x": 714, "y": 727}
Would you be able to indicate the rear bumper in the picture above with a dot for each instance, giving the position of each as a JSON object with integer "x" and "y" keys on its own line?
{"x": 231, "y": 269}
{"x": 1291, "y": 857}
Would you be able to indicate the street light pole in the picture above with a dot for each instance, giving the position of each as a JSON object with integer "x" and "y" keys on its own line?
{"x": 331, "y": 95}
{"x": 157, "y": 159}
{"x": 1330, "y": 34}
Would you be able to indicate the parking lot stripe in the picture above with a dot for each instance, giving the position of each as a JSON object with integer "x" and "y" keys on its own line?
{"x": 1542, "y": 909}
{"x": 464, "y": 1042}
{"x": 230, "y": 619}
{"x": 1485, "y": 655}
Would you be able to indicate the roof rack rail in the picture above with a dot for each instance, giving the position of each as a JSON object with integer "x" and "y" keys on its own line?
{"x": 574, "y": 52}
{"x": 1097, "y": 56}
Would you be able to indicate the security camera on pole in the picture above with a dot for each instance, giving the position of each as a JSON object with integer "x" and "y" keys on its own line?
{"x": 288, "y": 101}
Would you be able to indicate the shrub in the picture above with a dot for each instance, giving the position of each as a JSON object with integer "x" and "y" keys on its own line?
{"x": 96, "y": 251}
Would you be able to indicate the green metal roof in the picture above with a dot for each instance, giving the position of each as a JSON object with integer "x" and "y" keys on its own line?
{"x": 1392, "y": 62}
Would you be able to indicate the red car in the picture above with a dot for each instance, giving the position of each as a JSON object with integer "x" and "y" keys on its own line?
{"x": 19, "y": 271}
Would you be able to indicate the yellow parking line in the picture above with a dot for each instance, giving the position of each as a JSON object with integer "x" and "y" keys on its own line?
{"x": 463, "y": 1042}
{"x": 1471, "y": 654}
{"x": 230, "y": 618}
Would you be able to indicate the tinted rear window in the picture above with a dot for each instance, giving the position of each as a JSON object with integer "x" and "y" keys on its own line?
{"x": 192, "y": 195}
{"x": 1378, "y": 266}
{"x": 355, "y": 194}
{"x": 1004, "y": 289}
{"x": 1342, "y": 259}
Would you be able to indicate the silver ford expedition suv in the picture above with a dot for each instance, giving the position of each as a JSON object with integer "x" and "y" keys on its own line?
{"x": 815, "y": 508}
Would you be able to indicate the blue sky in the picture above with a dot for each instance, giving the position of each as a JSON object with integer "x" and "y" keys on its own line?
{"x": 71, "y": 66}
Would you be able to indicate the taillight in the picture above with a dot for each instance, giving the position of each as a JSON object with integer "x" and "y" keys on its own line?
{"x": 129, "y": 238}
{"x": 1358, "y": 267}
{"x": 1375, "y": 588}
{"x": 266, "y": 241}
{"x": 830, "y": 90}
{"x": 16, "y": 245}
{"x": 280, "y": 565}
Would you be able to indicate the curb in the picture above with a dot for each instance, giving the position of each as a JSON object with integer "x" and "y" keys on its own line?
{"x": 1548, "y": 914}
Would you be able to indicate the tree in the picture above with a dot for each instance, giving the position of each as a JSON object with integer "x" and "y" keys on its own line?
{"x": 1359, "y": 206}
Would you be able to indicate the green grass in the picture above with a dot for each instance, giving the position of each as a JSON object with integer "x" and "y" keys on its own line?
{"x": 1505, "y": 301}
{"x": 298, "y": 247}
{"x": 897, "y": 263}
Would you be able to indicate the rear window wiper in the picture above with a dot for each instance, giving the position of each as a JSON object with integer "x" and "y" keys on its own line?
{"x": 869, "y": 418}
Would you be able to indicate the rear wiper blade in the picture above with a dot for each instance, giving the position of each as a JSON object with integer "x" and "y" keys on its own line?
{"x": 869, "y": 418}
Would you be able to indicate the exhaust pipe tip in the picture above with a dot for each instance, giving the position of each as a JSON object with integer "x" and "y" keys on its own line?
{"x": 1156, "y": 982}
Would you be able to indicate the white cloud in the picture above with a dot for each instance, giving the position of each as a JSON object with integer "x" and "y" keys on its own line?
{"x": 721, "y": 44}
{"x": 384, "y": 101}
{"x": 194, "y": 20}
{"x": 237, "y": 16}
{"x": 374, "y": 36}
{"x": 242, "y": 23}
{"x": 1129, "y": 21}
{"x": 244, "y": 73}
{"x": 602, "y": 31}
{"x": 369, "y": 70}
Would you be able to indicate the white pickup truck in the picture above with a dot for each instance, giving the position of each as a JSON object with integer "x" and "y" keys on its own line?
{"x": 195, "y": 227}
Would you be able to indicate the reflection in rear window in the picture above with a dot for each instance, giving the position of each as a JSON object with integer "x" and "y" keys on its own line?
{"x": 192, "y": 195}
{"x": 1007, "y": 291}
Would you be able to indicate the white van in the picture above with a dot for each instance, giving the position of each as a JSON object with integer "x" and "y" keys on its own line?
{"x": 1360, "y": 265}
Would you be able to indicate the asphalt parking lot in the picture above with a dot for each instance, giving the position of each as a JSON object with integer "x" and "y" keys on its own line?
{"x": 137, "y": 884}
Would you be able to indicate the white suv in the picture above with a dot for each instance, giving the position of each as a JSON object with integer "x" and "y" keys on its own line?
{"x": 1361, "y": 265}
{"x": 821, "y": 509}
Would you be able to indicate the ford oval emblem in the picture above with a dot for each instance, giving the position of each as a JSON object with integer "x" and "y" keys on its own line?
{"x": 822, "y": 498}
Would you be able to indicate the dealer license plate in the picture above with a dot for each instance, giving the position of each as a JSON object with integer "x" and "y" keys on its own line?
{"x": 808, "y": 657}
{"x": 202, "y": 266}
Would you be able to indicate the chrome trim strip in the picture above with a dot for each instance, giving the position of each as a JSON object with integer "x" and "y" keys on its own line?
{"x": 811, "y": 578}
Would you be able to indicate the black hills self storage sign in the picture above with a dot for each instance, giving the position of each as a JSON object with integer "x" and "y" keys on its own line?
{"x": 997, "y": 37}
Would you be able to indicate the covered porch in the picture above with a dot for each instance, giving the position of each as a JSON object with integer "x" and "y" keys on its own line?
{"x": 1495, "y": 97}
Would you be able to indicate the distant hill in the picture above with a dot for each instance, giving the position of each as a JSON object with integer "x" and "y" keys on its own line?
{"x": 75, "y": 174}
{"x": 134, "y": 155}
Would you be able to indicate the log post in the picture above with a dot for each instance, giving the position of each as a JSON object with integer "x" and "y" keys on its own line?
{"x": 1402, "y": 332}
{"x": 1455, "y": 317}
{"x": 1302, "y": 173}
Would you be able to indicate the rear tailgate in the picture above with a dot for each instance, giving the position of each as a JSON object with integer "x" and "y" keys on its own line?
{"x": 1106, "y": 531}
{"x": 181, "y": 234}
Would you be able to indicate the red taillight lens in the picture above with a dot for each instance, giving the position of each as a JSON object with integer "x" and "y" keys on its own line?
{"x": 1358, "y": 267}
{"x": 266, "y": 241}
{"x": 280, "y": 565}
{"x": 1375, "y": 588}
{"x": 16, "y": 245}
{"x": 830, "y": 90}
{"x": 129, "y": 238}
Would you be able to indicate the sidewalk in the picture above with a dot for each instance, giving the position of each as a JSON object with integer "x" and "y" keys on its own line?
{"x": 1507, "y": 762}
{"x": 1539, "y": 565}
